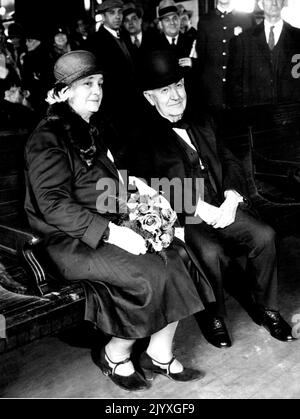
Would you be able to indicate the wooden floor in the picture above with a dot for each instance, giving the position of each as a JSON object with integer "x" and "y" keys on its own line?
{"x": 257, "y": 366}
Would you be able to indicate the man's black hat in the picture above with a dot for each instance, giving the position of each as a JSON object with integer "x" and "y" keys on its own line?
{"x": 159, "y": 69}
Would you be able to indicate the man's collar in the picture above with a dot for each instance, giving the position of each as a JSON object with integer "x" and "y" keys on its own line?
{"x": 139, "y": 36}
{"x": 223, "y": 10}
{"x": 112, "y": 31}
{"x": 169, "y": 38}
{"x": 278, "y": 25}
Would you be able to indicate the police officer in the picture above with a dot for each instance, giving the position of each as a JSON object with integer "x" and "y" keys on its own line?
{"x": 215, "y": 30}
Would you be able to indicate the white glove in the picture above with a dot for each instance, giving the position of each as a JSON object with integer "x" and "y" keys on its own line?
{"x": 207, "y": 212}
{"x": 185, "y": 62}
{"x": 228, "y": 209}
{"x": 126, "y": 239}
{"x": 142, "y": 187}
{"x": 179, "y": 233}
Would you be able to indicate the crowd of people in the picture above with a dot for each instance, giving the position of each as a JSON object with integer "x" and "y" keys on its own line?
{"x": 125, "y": 98}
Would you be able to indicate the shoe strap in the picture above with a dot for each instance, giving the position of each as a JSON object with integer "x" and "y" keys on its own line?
{"x": 168, "y": 364}
{"x": 116, "y": 364}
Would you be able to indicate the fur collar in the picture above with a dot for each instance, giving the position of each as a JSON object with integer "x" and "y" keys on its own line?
{"x": 83, "y": 136}
{"x": 80, "y": 132}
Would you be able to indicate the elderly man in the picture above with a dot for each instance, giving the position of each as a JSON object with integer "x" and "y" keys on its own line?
{"x": 215, "y": 30}
{"x": 221, "y": 226}
{"x": 262, "y": 62}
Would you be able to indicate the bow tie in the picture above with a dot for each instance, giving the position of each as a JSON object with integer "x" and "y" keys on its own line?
{"x": 181, "y": 124}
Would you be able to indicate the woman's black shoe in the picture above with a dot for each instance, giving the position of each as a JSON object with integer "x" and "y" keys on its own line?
{"x": 134, "y": 382}
{"x": 149, "y": 369}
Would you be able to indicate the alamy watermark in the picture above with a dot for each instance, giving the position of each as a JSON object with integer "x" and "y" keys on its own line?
{"x": 184, "y": 194}
{"x": 2, "y": 327}
{"x": 296, "y": 68}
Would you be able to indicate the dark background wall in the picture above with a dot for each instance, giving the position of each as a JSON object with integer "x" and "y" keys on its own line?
{"x": 46, "y": 13}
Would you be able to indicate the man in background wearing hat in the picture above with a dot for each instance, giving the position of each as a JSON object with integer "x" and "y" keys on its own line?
{"x": 186, "y": 24}
{"x": 221, "y": 226}
{"x": 262, "y": 60}
{"x": 120, "y": 91}
{"x": 171, "y": 37}
{"x": 180, "y": 44}
{"x": 215, "y": 30}
{"x": 138, "y": 41}
{"x": 36, "y": 69}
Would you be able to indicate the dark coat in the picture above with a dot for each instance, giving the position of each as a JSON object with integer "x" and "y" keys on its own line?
{"x": 215, "y": 30}
{"x": 127, "y": 296}
{"x": 160, "y": 154}
{"x": 118, "y": 67}
{"x": 182, "y": 49}
{"x": 148, "y": 44}
{"x": 257, "y": 76}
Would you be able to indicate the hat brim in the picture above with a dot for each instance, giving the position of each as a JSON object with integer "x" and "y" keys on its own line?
{"x": 167, "y": 11}
{"x": 161, "y": 82}
{"x": 68, "y": 80}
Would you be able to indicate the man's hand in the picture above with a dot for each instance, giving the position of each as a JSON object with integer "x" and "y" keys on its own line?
{"x": 185, "y": 62}
{"x": 208, "y": 213}
{"x": 126, "y": 239}
{"x": 228, "y": 209}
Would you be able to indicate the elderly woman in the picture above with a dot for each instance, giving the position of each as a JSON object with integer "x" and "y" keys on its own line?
{"x": 131, "y": 294}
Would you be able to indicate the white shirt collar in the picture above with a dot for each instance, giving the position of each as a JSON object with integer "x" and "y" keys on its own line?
{"x": 139, "y": 37}
{"x": 223, "y": 10}
{"x": 277, "y": 30}
{"x": 169, "y": 38}
{"x": 112, "y": 31}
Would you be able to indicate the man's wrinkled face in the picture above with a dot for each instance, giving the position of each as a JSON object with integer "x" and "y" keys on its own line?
{"x": 171, "y": 25}
{"x": 113, "y": 18}
{"x": 272, "y": 8}
{"x": 170, "y": 101}
{"x": 132, "y": 23}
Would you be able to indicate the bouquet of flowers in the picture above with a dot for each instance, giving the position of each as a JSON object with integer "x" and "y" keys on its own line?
{"x": 152, "y": 218}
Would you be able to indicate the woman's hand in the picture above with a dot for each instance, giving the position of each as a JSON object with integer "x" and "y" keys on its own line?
{"x": 126, "y": 239}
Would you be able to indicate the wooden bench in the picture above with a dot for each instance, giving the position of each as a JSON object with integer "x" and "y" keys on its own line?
{"x": 32, "y": 302}
{"x": 268, "y": 145}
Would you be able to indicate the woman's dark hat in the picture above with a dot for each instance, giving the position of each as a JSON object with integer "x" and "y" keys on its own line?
{"x": 75, "y": 65}
{"x": 159, "y": 69}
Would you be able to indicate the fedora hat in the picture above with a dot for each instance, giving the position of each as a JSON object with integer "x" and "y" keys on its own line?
{"x": 132, "y": 8}
{"x": 109, "y": 4}
{"x": 75, "y": 65}
{"x": 166, "y": 8}
{"x": 159, "y": 69}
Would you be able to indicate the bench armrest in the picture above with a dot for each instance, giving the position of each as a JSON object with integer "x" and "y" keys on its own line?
{"x": 21, "y": 241}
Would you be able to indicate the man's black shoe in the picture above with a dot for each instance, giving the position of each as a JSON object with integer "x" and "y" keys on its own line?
{"x": 276, "y": 325}
{"x": 215, "y": 331}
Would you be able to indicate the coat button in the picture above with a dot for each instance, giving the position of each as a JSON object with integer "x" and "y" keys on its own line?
{"x": 224, "y": 53}
{"x": 224, "y": 80}
{"x": 225, "y": 27}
